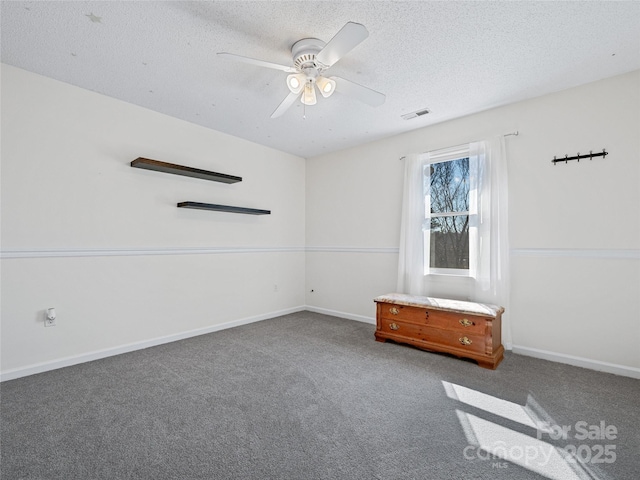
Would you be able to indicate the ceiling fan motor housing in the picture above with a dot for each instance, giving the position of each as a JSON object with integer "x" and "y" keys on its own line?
{"x": 304, "y": 54}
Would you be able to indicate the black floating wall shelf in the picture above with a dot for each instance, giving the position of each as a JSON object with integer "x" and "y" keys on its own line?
{"x": 223, "y": 208}
{"x": 577, "y": 157}
{"x": 165, "y": 167}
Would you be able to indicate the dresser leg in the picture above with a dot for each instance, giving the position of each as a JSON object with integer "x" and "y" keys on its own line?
{"x": 491, "y": 364}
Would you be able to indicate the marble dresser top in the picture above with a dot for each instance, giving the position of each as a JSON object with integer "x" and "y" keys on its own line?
{"x": 441, "y": 304}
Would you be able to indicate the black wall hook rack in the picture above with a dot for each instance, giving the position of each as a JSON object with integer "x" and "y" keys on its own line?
{"x": 577, "y": 157}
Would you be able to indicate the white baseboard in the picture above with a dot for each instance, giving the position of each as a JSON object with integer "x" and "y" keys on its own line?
{"x": 579, "y": 361}
{"x": 530, "y": 352}
{"x": 90, "y": 356}
{"x": 335, "y": 313}
{"x": 109, "y": 352}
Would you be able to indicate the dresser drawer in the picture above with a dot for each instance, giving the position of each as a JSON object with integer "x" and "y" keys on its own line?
{"x": 461, "y": 322}
{"x": 448, "y": 338}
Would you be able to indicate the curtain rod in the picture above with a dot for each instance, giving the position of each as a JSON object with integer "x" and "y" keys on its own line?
{"x": 515, "y": 134}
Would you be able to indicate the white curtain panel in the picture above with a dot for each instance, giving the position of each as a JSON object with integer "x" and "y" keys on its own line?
{"x": 492, "y": 240}
{"x": 411, "y": 262}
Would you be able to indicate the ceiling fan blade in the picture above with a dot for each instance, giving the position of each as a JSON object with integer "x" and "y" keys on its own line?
{"x": 364, "y": 94}
{"x": 260, "y": 63}
{"x": 349, "y": 36}
{"x": 286, "y": 103}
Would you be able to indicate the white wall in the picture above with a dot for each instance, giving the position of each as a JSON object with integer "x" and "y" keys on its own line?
{"x": 574, "y": 228}
{"x": 105, "y": 244}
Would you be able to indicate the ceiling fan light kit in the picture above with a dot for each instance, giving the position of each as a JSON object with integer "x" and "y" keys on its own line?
{"x": 311, "y": 57}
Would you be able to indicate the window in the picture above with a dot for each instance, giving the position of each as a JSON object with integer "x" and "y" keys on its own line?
{"x": 447, "y": 213}
{"x": 454, "y": 221}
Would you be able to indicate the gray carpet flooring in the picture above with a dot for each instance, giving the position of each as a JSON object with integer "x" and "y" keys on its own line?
{"x": 309, "y": 396}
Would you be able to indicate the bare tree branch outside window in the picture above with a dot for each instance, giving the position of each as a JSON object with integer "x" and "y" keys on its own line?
{"x": 449, "y": 189}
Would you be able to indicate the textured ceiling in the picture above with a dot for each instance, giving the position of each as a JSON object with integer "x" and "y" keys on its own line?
{"x": 454, "y": 58}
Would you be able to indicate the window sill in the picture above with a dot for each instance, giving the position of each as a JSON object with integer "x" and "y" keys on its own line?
{"x": 448, "y": 272}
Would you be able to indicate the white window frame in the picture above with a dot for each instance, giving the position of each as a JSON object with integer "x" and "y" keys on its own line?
{"x": 441, "y": 156}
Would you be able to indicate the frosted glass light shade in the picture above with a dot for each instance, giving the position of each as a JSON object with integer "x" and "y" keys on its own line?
{"x": 309, "y": 95}
{"x": 326, "y": 86}
{"x": 296, "y": 82}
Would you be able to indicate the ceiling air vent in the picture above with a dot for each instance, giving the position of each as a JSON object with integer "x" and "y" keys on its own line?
{"x": 418, "y": 113}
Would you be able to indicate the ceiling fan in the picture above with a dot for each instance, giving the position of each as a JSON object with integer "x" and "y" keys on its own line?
{"x": 311, "y": 59}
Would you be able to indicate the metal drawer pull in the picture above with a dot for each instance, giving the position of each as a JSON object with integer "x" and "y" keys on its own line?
{"x": 394, "y": 311}
{"x": 465, "y": 341}
{"x": 466, "y": 323}
{"x": 394, "y": 326}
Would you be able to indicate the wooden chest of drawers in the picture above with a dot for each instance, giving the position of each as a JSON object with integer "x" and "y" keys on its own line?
{"x": 464, "y": 329}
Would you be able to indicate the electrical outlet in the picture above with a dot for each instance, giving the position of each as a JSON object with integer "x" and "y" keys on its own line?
{"x": 275, "y": 287}
{"x": 50, "y": 318}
